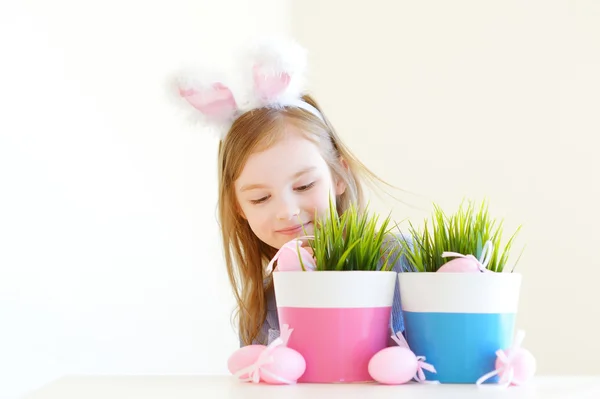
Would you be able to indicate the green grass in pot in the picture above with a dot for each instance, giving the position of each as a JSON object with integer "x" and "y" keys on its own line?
{"x": 465, "y": 232}
{"x": 355, "y": 240}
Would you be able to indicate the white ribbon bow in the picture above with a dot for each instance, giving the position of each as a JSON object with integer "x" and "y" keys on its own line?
{"x": 420, "y": 376}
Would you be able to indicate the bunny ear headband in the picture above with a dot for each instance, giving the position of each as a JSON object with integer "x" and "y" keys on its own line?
{"x": 271, "y": 76}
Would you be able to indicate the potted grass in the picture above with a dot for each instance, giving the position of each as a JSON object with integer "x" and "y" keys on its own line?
{"x": 339, "y": 307}
{"x": 460, "y": 303}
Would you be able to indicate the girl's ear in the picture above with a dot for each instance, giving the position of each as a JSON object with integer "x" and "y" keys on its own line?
{"x": 340, "y": 184}
{"x": 340, "y": 187}
{"x": 344, "y": 163}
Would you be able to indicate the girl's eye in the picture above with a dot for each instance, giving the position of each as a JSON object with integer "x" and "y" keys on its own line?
{"x": 260, "y": 200}
{"x": 305, "y": 187}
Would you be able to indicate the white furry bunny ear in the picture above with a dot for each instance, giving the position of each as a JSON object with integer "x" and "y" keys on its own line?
{"x": 208, "y": 101}
{"x": 272, "y": 75}
{"x": 278, "y": 68}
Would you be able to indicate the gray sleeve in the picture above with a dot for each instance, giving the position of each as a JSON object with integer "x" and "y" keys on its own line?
{"x": 269, "y": 331}
{"x": 271, "y": 324}
{"x": 400, "y": 265}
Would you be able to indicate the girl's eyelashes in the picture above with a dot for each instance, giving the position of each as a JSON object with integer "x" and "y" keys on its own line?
{"x": 260, "y": 200}
{"x": 306, "y": 187}
{"x": 302, "y": 188}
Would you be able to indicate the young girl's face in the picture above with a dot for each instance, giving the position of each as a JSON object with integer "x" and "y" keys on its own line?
{"x": 281, "y": 188}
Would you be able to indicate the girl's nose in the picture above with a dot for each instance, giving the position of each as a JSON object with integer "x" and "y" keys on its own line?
{"x": 288, "y": 210}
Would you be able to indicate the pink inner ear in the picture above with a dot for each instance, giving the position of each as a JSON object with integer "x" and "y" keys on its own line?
{"x": 216, "y": 101}
{"x": 269, "y": 86}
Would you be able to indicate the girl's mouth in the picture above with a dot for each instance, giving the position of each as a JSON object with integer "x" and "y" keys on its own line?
{"x": 299, "y": 228}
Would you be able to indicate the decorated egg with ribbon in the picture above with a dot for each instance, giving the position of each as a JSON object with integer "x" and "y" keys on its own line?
{"x": 272, "y": 364}
{"x": 398, "y": 364}
{"x": 460, "y": 265}
{"x": 522, "y": 366}
{"x": 285, "y": 367}
{"x": 513, "y": 366}
{"x": 243, "y": 358}
{"x": 293, "y": 257}
{"x": 467, "y": 263}
{"x": 392, "y": 366}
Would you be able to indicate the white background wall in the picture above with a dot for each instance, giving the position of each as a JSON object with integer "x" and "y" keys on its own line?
{"x": 109, "y": 255}
{"x": 453, "y": 99}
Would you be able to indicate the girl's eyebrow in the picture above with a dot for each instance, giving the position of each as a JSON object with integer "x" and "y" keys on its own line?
{"x": 249, "y": 187}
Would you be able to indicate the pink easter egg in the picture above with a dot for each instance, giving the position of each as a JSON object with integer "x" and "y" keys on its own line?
{"x": 288, "y": 258}
{"x": 460, "y": 265}
{"x": 244, "y": 357}
{"x": 524, "y": 366}
{"x": 287, "y": 364}
{"x": 394, "y": 365}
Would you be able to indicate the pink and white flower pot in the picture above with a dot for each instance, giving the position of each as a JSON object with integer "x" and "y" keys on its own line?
{"x": 341, "y": 319}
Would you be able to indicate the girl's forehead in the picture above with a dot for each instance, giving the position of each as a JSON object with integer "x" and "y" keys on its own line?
{"x": 291, "y": 154}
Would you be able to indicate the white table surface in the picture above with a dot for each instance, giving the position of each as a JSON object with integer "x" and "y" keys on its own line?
{"x": 224, "y": 387}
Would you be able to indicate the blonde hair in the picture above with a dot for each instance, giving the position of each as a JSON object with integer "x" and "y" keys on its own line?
{"x": 245, "y": 254}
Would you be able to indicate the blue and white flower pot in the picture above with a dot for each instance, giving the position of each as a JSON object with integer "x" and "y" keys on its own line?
{"x": 459, "y": 320}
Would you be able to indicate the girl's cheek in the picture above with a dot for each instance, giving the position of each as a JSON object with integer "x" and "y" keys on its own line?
{"x": 266, "y": 216}
{"x": 323, "y": 199}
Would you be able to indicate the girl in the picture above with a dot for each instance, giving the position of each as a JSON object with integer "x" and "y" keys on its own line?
{"x": 280, "y": 160}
